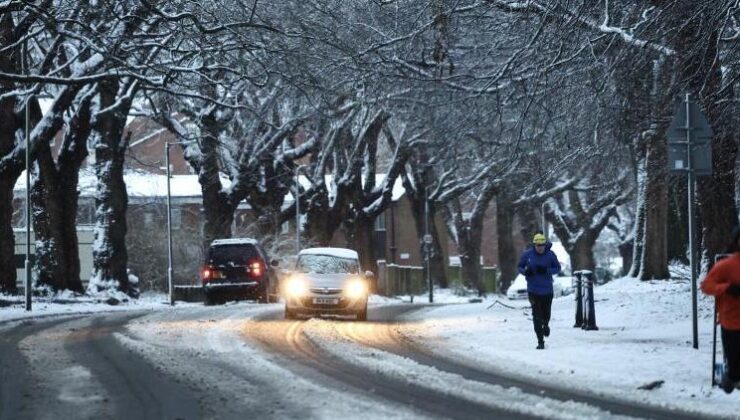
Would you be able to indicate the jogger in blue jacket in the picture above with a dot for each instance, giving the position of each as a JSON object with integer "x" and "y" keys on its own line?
{"x": 538, "y": 264}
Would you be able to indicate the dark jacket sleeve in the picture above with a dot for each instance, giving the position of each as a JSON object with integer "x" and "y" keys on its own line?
{"x": 522, "y": 266}
{"x": 555, "y": 267}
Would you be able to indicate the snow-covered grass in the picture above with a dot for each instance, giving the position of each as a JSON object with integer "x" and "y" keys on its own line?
{"x": 68, "y": 303}
{"x": 644, "y": 335}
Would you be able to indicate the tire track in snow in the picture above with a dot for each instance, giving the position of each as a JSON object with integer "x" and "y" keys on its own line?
{"x": 288, "y": 339}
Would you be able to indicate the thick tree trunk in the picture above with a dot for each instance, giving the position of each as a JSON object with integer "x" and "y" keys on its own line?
{"x": 55, "y": 200}
{"x": 640, "y": 213}
{"x": 654, "y": 262}
{"x": 218, "y": 213}
{"x": 359, "y": 232}
{"x": 8, "y": 125}
{"x": 531, "y": 222}
{"x": 217, "y": 204}
{"x": 677, "y": 220}
{"x": 8, "y": 278}
{"x": 507, "y": 253}
{"x": 625, "y": 251}
{"x": 110, "y": 257}
{"x": 51, "y": 258}
{"x": 582, "y": 254}
{"x": 469, "y": 243}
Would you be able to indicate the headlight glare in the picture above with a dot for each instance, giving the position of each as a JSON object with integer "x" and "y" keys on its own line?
{"x": 296, "y": 287}
{"x": 356, "y": 288}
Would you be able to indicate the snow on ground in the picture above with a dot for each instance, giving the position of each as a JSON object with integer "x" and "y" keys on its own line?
{"x": 325, "y": 334}
{"x": 67, "y": 304}
{"x": 212, "y": 352}
{"x": 644, "y": 336}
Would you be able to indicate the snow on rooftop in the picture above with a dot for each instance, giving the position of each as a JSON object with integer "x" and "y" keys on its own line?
{"x": 234, "y": 241}
{"x": 145, "y": 184}
{"x": 334, "y": 252}
{"x": 397, "y": 192}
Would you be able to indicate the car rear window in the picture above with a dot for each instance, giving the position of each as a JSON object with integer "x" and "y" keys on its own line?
{"x": 235, "y": 254}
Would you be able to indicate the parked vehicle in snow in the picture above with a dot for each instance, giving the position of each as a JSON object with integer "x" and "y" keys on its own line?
{"x": 518, "y": 288}
{"x": 238, "y": 269}
{"x": 326, "y": 281}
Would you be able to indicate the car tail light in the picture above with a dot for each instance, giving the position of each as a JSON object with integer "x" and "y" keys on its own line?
{"x": 207, "y": 274}
{"x": 255, "y": 269}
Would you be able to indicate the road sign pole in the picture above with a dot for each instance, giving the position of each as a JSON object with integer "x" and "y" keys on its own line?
{"x": 692, "y": 257}
{"x": 690, "y": 152}
{"x": 428, "y": 246}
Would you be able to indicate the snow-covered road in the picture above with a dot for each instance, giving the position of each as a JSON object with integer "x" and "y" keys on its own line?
{"x": 243, "y": 360}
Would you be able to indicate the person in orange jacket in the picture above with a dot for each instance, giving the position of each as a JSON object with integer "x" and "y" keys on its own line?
{"x": 723, "y": 282}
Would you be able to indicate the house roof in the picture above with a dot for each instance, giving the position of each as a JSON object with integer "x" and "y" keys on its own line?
{"x": 140, "y": 184}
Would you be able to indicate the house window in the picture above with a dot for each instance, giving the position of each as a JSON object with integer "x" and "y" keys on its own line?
{"x": 176, "y": 218}
{"x": 380, "y": 237}
{"x": 148, "y": 218}
{"x": 380, "y": 223}
{"x": 86, "y": 211}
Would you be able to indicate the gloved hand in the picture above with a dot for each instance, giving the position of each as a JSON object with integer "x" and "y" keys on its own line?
{"x": 540, "y": 269}
{"x": 734, "y": 290}
{"x": 528, "y": 271}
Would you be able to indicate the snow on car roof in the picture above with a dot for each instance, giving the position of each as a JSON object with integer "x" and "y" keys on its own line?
{"x": 335, "y": 252}
{"x": 234, "y": 241}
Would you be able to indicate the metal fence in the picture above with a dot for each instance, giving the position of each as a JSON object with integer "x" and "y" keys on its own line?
{"x": 397, "y": 280}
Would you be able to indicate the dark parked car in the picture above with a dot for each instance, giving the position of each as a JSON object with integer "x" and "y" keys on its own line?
{"x": 238, "y": 269}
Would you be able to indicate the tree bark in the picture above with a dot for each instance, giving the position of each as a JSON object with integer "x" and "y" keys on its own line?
{"x": 359, "y": 233}
{"x": 582, "y": 254}
{"x": 7, "y": 239}
{"x": 110, "y": 257}
{"x": 321, "y": 218}
{"x": 218, "y": 207}
{"x": 55, "y": 200}
{"x": 654, "y": 262}
{"x": 625, "y": 251}
{"x": 507, "y": 253}
{"x": 8, "y": 125}
{"x": 640, "y": 213}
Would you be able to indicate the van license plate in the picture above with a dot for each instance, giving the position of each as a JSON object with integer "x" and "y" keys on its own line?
{"x": 325, "y": 301}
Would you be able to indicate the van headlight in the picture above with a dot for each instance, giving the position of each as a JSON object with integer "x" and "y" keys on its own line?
{"x": 355, "y": 289}
{"x": 296, "y": 287}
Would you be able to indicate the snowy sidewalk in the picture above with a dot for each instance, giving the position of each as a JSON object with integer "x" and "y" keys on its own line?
{"x": 644, "y": 336}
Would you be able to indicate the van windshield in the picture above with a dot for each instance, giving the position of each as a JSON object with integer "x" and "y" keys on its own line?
{"x": 326, "y": 264}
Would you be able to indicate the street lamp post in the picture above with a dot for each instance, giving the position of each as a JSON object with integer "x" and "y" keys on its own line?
{"x": 297, "y": 211}
{"x": 169, "y": 223}
{"x": 27, "y": 265}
